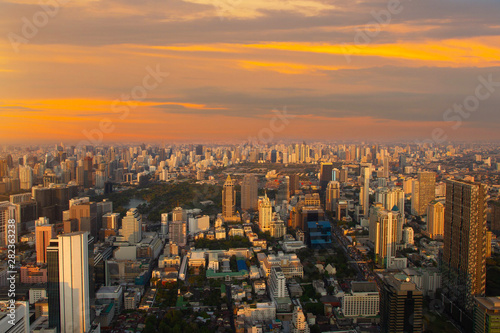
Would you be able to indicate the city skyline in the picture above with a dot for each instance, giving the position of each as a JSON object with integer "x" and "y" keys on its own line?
{"x": 204, "y": 70}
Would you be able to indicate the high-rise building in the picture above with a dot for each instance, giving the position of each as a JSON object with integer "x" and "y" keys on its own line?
{"x": 85, "y": 213}
{"x": 277, "y": 283}
{"x": 249, "y": 192}
{"x": 265, "y": 213}
{"x": 385, "y": 235}
{"x": 326, "y": 174}
{"x": 435, "y": 219}
{"x": 178, "y": 214}
{"x": 26, "y": 177}
{"x": 294, "y": 184}
{"x": 43, "y": 233}
{"x": 53, "y": 284}
{"x": 495, "y": 217}
{"x": 424, "y": 191}
{"x": 164, "y": 224}
{"x": 177, "y": 233}
{"x": 7, "y": 212}
{"x": 486, "y": 315}
{"x": 228, "y": 199}
{"x": 400, "y": 305}
{"x": 464, "y": 251}
{"x": 364, "y": 199}
{"x": 74, "y": 286}
{"x": 132, "y": 226}
{"x": 332, "y": 196}
{"x": 277, "y": 228}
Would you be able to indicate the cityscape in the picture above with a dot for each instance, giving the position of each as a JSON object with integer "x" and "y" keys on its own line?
{"x": 316, "y": 237}
{"x": 249, "y": 166}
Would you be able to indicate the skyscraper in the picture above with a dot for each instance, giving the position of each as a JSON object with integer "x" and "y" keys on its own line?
{"x": 132, "y": 226}
{"x": 365, "y": 169}
{"x": 294, "y": 184}
{"x": 265, "y": 214}
{"x": 435, "y": 219}
{"x": 385, "y": 236}
{"x": 177, "y": 232}
{"x": 400, "y": 305}
{"x": 326, "y": 174}
{"x": 464, "y": 251}
{"x": 424, "y": 191}
{"x": 74, "y": 275}
{"x": 228, "y": 199}
{"x": 44, "y": 233}
{"x": 249, "y": 192}
{"x": 332, "y": 196}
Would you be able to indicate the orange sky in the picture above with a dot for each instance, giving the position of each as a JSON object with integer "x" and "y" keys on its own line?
{"x": 230, "y": 63}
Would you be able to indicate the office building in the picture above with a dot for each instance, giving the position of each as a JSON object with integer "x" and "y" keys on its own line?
{"x": 249, "y": 193}
{"x": 435, "y": 220}
{"x": 486, "y": 315}
{"x": 464, "y": 251}
{"x": 384, "y": 229}
{"x": 364, "y": 197}
{"x": 177, "y": 233}
{"x": 495, "y": 217}
{"x": 277, "y": 283}
{"x": 74, "y": 275}
{"x": 132, "y": 226}
{"x": 265, "y": 214}
{"x": 43, "y": 233}
{"x": 332, "y": 196}
{"x": 228, "y": 199}
{"x": 400, "y": 305}
{"x": 362, "y": 301}
{"x": 424, "y": 191}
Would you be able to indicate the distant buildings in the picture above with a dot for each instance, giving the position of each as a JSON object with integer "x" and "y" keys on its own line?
{"x": 249, "y": 192}
{"x": 424, "y": 191}
{"x": 228, "y": 200}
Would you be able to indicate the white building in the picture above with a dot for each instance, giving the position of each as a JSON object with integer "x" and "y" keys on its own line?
{"x": 74, "y": 298}
{"x": 132, "y": 226}
{"x": 362, "y": 301}
{"x": 299, "y": 322}
{"x": 14, "y": 317}
{"x": 277, "y": 283}
{"x": 265, "y": 213}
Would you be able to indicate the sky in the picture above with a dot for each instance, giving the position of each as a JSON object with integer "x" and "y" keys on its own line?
{"x": 230, "y": 70}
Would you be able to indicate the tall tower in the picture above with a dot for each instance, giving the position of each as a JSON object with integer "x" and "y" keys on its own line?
{"x": 424, "y": 191}
{"x": 435, "y": 219}
{"x": 332, "y": 196}
{"x": 74, "y": 275}
{"x": 53, "y": 284}
{"x": 365, "y": 181}
{"x": 265, "y": 214}
{"x": 249, "y": 192}
{"x": 228, "y": 199}
{"x": 464, "y": 251}
{"x": 386, "y": 235}
{"x": 401, "y": 305}
{"x": 44, "y": 233}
